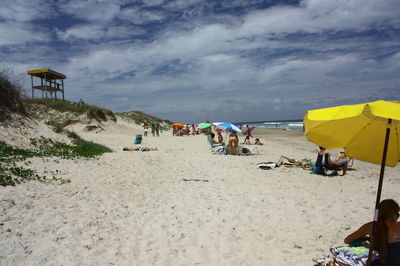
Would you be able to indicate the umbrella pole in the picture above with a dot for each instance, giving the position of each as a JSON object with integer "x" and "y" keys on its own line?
{"x": 378, "y": 193}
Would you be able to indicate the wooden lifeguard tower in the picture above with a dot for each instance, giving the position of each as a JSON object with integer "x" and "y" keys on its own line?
{"x": 51, "y": 82}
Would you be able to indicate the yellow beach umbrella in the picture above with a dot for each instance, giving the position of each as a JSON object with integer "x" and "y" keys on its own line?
{"x": 369, "y": 132}
{"x": 359, "y": 128}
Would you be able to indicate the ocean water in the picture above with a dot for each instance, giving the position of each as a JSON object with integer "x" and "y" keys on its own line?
{"x": 296, "y": 125}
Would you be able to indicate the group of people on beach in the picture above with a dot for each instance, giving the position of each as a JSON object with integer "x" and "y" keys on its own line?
{"x": 155, "y": 129}
{"x": 233, "y": 140}
{"x": 185, "y": 130}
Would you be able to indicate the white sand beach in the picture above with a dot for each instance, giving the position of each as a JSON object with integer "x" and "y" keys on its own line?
{"x": 134, "y": 208}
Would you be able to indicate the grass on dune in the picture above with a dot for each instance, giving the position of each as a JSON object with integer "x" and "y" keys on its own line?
{"x": 64, "y": 106}
{"x": 14, "y": 161}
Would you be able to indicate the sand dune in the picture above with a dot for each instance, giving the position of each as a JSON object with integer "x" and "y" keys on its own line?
{"x": 134, "y": 208}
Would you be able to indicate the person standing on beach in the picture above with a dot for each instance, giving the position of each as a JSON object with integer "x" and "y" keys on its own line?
{"x": 158, "y": 129}
{"x": 153, "y": 130}
{"x": 233, "y": 143}
{"x": 248, "y": 135}
{"x": 145, "y": 129}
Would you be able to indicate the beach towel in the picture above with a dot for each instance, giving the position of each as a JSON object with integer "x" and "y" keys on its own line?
{"x": 326, "y": 261}
{"x": 304, "y": 163}
{"x": 352, "y": 256}
{"x": 219, "y": 150}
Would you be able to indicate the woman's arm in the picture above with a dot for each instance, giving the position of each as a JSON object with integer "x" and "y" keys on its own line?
{"x": 363, "y": 231}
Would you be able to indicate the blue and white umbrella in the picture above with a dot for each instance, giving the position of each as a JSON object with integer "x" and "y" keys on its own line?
{"x": 228, "y": 127}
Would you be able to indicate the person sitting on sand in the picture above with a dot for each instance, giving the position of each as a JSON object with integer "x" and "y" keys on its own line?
{"x": 139, "y": 149}
{"x": 342, "y": 161}
{"x": 258, "y": 142}
{"x": 220, "y": 138}
{"x": 386, "y": 236}
{"x": 324, "y": 162}
{"x": 212, "y": 138}
{"x": 233, "y": 143}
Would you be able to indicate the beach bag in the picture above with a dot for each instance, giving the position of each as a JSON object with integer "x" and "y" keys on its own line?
{"x": 246, "y": 151}
{"x": 318, "y": 170}
{"x": 314, "y": 169}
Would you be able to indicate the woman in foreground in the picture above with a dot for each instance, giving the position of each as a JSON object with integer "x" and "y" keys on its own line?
{"x": 387, "y": 238}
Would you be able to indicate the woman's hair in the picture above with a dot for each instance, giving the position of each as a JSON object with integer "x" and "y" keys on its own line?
{"x": 387, "y": 208}
{"x": 212, "y": 135}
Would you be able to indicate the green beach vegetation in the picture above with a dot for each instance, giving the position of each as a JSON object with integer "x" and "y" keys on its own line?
{"x": 64, "y": 106}
{"x": 10, "y": 96}
{"x": 58, "y": 114}
{"x": 140, "y": 118}
{"x": 14, "y": 161}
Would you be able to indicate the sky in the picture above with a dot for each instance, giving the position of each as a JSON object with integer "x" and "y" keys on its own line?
{"x": 195, "y": 60}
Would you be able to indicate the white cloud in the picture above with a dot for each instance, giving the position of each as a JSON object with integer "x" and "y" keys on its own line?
{"x": 138, "y": 16}
{"x": 22, "y": 10}
{"x": 97, "y": 31}
{"x": 20, "y": 33}
{"x": 90, "y": 31}
{"x": 316, "y": 16}
{"x": 91, "y": 10}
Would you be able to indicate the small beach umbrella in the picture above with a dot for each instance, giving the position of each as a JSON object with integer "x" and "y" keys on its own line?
{"x": 205, "y": 125}
{"x": 248, "y": 131}
{"x": 369, "y": 132}
{"x": 177, "y": 125}
{"x": 228, "y": 127}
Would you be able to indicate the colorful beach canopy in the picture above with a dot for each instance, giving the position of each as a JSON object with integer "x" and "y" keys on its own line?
{"x": 205, "y": 125}
{"x": 248, "y": 131}
{"x": 369, "y": 132}
{"x": 177, "y": 125}
{"x": 228, "y": 127}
